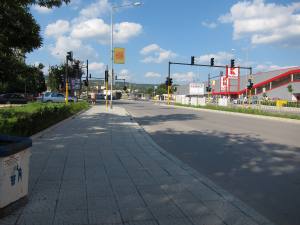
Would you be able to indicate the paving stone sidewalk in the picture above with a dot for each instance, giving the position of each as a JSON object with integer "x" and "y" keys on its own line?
{"x": 102, "y": 168}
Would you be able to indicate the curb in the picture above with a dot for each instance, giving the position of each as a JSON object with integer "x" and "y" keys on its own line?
{"x": 236, "y": 113}
{"x": 41, "y": 133}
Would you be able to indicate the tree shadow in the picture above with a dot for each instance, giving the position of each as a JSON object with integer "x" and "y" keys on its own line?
{"x": 264, "y": 175}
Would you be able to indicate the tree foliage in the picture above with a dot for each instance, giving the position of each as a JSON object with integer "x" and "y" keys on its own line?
{"x": 19, "y": 34}
{"x": 290, "y": 88}
{"x": 56, "y": 80}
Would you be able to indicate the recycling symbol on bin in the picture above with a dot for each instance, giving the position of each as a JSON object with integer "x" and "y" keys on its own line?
{"x": 16, "y": 175}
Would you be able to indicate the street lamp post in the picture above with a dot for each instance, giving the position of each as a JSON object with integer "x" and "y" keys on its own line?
{"x": 112, "y": 44}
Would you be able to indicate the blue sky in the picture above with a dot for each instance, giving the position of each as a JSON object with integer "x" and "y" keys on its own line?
{"x": 261, "y": 34}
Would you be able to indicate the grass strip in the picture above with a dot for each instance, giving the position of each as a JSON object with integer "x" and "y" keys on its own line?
{"x": 33, "y": 117}
{"x": 244, "y": 110}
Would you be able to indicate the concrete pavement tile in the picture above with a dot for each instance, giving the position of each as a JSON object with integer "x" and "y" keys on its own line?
{"x": 71, "y": 217}
{"x": 182, "y": 197}
{"x": 207, "y": 219}
{"x": 45, "y": 218}
{"x": 164, "y": 179}
{"x": 193, "y": 209}
{"x": 136, "y": 214}
{"x": 250, "y": 212}
{"x": 130, "y": 201}
{"x": 102, "y": 203}
{"x": 223, "y": 209}
{"x": 76, "y": 193}
{"x": 166, "y": 210}
{"x": 174, "y": 221}
{"x": 150, "y": 189}
{"x": 9, "y": 219}
{"x": 144, "y": 181}
{"x": 176, "y": 187}
{"x": 156, "y": 199}
{"x": 104, "y": 217}
{"x": 239, "y": 219}
{"x": 99, "y": 191}
{"x": 204, "y": 193}
{"x": 40, "y": 206}
{"x": 142, "y": 222}
{"x": 71, "y": 203}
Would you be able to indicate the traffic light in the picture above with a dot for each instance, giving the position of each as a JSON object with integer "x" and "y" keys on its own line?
{"x": 106, "y": 76}
{"x": 86, "y": 83}
{"x": 70, "y": 56}
{"x": 250, "y": 85}
{"x": 232, "y": 63}
{"x": 169, "y": 81}
{"x": 192, "y": 60}
{"x": 212, "y": 61}
{"x": 208, "y": 89}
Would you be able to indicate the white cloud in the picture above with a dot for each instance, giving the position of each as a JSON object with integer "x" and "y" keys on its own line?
{"x": 264, "y": 23}
{"x": 126, "y": 30}
{"x": 150, "y": 48}
{"x": 58, "y": 28}
{"x": 124, "y": 74}
{"x": 97, "y": 28}
{"x": 269, "y": 67}
{"x": 152, "y": 75}
{"x": 210, "y": 25}
{"x": 220, "y": 58}
{"x": 94, "y": 66}
{"x": 64, "y": 44}
{"x": 97, "y": 9}
{"x": 155, "y": 54}
{"x": 90, "y": 28}
{"x": 184, "y": 77}
{"x": 41, "y": 9}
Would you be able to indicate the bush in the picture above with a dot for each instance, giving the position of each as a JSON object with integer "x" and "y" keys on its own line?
{"x": 245, "y": 110}
{"x": 31, "y": 118}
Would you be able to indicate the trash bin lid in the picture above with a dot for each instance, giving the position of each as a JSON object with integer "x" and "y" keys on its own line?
{"x": 10, "y": 145}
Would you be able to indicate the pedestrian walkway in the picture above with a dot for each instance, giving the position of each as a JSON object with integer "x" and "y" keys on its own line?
{"x": 102, "y": 168}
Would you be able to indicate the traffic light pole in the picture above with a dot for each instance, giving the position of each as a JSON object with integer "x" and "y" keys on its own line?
{"x": 67, "y": 84}
{"x": 169, "y": 86}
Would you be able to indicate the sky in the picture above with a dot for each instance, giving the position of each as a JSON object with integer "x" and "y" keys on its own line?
{"x": 262, "y": 34}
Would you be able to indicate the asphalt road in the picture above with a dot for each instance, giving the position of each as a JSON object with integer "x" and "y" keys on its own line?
{"x": 257, "y": 160}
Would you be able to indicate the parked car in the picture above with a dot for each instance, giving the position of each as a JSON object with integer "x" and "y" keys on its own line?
{"x": 56, "y": 97}
{"x": 100, "y": 97}
{"x": 12, "y": 98}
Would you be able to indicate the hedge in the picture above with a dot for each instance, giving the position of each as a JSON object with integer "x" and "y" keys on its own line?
{"x": 33, "y": 117}
{"x": 245, "y": 110}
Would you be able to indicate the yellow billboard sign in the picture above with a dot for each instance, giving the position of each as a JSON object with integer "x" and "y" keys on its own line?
{"x": 119, "y": 55}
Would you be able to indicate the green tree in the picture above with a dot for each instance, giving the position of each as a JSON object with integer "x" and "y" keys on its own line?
{"x": 19, "y": 34}
{"x": 161, "y": 89}
{"x": 290, "y": 88}
{"x": 56, "y": 79}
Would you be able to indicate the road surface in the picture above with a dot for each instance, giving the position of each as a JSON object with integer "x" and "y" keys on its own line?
{"x": 257, "y": 160}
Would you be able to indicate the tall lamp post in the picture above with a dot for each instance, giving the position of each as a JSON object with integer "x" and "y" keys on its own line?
{"x": 112, "y": 43}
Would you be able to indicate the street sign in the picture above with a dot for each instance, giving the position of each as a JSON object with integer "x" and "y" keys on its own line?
{"x": 119, "y": 55}
{"x": 196, "y": 88}
{"x": 224, "y": 83}
{"x": 233, "y": 73}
